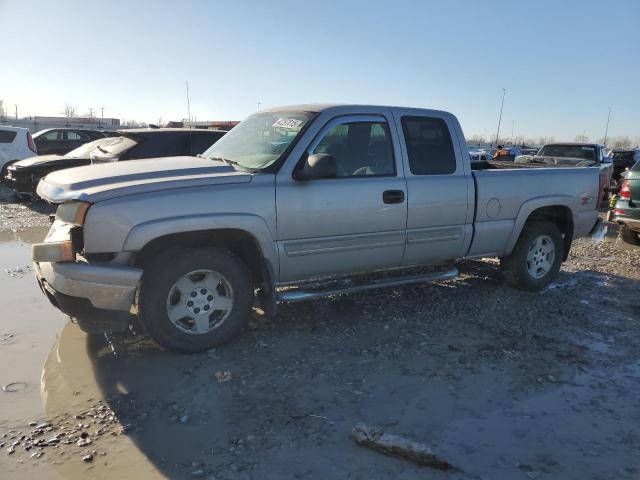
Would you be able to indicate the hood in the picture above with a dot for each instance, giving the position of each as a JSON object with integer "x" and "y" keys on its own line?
{"x": 37, "y": 160}
{"x": 95, "y": 183}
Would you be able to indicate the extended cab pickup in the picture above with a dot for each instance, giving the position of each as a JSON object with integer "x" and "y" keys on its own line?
{"x": 297, "y": 203}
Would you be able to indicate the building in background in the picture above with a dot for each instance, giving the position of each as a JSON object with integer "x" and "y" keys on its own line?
{"x": 38, "y": 123}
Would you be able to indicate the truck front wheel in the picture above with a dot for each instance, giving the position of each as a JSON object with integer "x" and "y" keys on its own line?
{"x": 192, "y": 300}
{"x": 536, "y": 258}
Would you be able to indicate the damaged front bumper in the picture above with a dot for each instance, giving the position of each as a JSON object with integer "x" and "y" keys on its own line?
{"x": 99, "y": 295}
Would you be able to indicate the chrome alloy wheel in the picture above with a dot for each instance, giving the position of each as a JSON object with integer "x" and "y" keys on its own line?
{"x": 199, "y": 301}
{"x": 540, "y": 257}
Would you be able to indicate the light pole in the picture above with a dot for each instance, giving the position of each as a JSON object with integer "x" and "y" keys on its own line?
{"x": 101, "y": 115}
{"x": 606, "y": 130}
{"x": 513, "y": 126}
{"x": 258, "y": 106}
{"x": 504, "y": 92}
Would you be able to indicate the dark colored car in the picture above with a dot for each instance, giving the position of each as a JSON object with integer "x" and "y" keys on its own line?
{"x": 23, "y": 176}
{"x": 623, "y": 159}
{"x": 62, "y": 140}
{"x": 626, "y": 211}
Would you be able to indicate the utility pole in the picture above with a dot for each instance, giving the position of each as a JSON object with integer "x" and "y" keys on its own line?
{"x": 606, "y": 130}
{"x": 90, "y": 113}
{"x": 258, "y": 106}
{"x": 16, "y": 105}
{"x": 101, "y": 115}
{"x": 513, "y": 126}
{"x": 188, "y": 104}
{"x": 504, "y": 92}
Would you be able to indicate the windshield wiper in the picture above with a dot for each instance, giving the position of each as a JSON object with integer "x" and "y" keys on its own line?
{"x": 224, "y": 160}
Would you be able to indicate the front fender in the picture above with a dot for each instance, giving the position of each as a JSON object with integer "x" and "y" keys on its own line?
{"x": 143, "y": 233}
{"x": 528, "y": 207}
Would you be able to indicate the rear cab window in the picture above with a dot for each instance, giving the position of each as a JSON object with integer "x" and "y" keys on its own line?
{"x": 7, "y": 136}
{"x": 429, "y": 145}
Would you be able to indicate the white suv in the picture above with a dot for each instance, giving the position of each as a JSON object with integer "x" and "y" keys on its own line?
{"x": 15, "y": 144}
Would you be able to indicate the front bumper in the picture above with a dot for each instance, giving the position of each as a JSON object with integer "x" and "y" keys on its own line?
{"x": 111, "y": 287}
{"x": 99, "y": 297}
{"x": 20, "y": 183}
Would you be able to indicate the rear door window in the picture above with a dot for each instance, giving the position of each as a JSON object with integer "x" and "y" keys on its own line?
{"x": 7, "y": 136}
{"x": 160, "y": 145}
{"x": 429, "y": 146}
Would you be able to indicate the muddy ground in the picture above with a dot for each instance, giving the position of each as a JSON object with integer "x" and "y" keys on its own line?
{"x": 504, "y": 384}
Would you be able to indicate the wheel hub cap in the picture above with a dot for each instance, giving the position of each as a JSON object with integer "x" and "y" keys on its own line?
{"x": 199, "y": 301}
{"x": 541, "y": 256}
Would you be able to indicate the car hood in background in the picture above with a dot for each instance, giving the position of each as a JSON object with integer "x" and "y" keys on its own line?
{"x": 559, "y": 161}
{"x": 37, "y": 160}
{"x": 95, "y": 183}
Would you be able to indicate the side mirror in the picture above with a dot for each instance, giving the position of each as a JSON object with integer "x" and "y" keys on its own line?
{"x": 317, "y": 166}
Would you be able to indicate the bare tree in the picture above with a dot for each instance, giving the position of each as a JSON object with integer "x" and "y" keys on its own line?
{"x": 581, "y": 138}
{"x": 69, "y": 111}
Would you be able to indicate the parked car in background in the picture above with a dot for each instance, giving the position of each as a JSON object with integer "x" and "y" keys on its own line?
{"x": 623, "y": 159}
{"x": 528, "y": 151}
{"x": 62, "y": 140}
{"x": 15, "y": 144}
{"x": 288, "y": 198}
{"x": 575, "y": 155}
{"x": 626, "y": 211}
{"x": 23, "y": 176}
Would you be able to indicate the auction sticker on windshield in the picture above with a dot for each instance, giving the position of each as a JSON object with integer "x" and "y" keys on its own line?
{"x": 288, "y": 123}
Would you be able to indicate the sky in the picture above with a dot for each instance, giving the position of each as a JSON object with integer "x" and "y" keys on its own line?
{"x": 563, "y": 63}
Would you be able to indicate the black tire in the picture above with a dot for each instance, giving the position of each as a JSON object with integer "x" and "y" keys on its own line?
{"x": 629, "y": 236}
{"x": 514, "y": 265}
{"x": 161, "y": 275}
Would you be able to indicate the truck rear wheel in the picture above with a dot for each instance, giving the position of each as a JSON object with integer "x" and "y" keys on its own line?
{"x": 192, "y": 300}
{"x": 629, "y": 236}
{"x": 536, "y": 258}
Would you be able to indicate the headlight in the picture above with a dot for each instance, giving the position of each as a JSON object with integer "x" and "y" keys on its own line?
{"x": 73, "y": 212}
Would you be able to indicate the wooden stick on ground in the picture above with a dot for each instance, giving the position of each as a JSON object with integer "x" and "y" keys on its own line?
{"x": 375, "y": 438}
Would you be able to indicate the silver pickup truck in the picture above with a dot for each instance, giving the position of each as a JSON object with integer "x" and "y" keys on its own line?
{"x": 297, "y": 203}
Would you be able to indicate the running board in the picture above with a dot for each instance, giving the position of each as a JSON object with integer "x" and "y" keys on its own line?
{"x": 300, "y": 295}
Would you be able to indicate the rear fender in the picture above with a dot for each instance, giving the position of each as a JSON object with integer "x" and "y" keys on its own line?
{"x": 529, "y": 207}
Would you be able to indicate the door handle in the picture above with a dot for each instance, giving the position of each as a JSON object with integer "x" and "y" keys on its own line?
{"x": 393, "y": 196}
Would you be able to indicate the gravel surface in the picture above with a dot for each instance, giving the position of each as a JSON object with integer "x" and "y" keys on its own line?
{"x": 18, "y": 215}
{"x": 504, "y": 384}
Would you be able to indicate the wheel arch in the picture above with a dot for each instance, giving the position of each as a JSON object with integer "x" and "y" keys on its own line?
{"x": 556, "y": 210}
{"x": 246, "y": 236}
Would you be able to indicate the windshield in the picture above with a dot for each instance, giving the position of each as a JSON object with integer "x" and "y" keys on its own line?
{"x": 626, "y": 156}
{"x": 260, "y": 140}
{"x": 83, "y": 150}
{"x": 569, "y": 151}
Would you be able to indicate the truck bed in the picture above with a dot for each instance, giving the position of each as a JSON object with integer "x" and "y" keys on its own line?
{"x": 507, "y": 193}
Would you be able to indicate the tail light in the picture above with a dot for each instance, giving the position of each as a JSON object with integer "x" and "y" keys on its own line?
{"x": 625, "y": 190}
{"x": 30, "y": 142}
